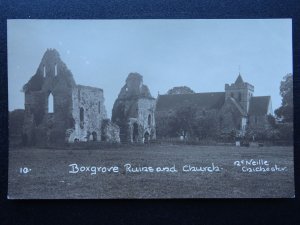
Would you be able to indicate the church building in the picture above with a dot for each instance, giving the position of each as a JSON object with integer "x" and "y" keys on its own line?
{"x": 235, "y": 109}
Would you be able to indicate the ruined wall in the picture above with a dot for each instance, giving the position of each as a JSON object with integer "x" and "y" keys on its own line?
{"x": 146, "y": 117}
{"x": 88, "y": 112}
{"x": 76, "y": 112}
{"x": 52, "y": 77}
{"x": 132, "y": 109}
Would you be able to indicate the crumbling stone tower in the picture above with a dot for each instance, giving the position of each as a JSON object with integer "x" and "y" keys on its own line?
{"x": 133, "y": 111}
{"x": 56, "y": 109}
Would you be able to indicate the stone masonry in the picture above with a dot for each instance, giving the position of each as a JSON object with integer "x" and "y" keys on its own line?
{"x": 133, "y": 111}
{"x": 57, "y": 110}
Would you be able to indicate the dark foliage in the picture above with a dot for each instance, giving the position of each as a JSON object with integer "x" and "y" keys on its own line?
{"x": 285, "y": 111}
{"x": 180, "y": 90}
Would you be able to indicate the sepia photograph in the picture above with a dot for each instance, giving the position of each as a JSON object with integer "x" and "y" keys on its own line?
{"x": 150, "y": 108}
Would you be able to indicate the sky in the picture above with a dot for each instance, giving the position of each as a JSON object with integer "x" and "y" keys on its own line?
{"x": 200, "y": 54}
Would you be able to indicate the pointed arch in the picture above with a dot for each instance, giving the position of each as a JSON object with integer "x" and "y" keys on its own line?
{"x": 81, "y": 114}
{"x": 44, "y": 70}
{"x": 50, "y": 103}
{"x": 81, "y": 117}
{"x": 149, "y": 120}
{"x": 55, "y": 70}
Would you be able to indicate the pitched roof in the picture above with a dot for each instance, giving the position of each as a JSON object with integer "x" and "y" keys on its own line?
{"x": 202, "y": 100}
{"x": 259, "y": 105}
{"x": 239, "y": 80}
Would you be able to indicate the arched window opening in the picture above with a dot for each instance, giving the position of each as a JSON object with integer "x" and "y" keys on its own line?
{"x": 81, "y": 117}
{"x": 50, "y": 103}
{"x": 231, "y": 94}
{"x": 55, "y": 69}
{"x": 81, "y": 114}
{"x": 44, "y": 70}
{"x": 99, "y": 107}
{"x": 149, "y": 120}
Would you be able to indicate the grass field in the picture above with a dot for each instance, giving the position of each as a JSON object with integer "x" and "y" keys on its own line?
{"x": 49, "y": 176}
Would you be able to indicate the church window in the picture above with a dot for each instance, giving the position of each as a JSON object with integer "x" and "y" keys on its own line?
{"x": 55, "y": 69}
{"x": 232, "y": 95}
{"x": 149, "y": 120}
{"x": 50, "y": 103}
{"x": 81, "y": 114}
{"x": 99, "y": 107}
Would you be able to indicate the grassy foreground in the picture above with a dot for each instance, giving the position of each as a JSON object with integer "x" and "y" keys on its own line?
{"x": 48, "y": 175}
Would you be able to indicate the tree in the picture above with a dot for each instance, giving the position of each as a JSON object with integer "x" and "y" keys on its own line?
{"x": 16, "y": 120}
{"x": 206, "y": 127}
{"x": 190, "y": 122}
{"x": 182, "y": 123}
{"x": 285, "y": 111}
{"x": 269, "y": 132}
{"x": 180, "y": 90}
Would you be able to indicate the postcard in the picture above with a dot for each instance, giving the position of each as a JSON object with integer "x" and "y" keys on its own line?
{"x": 150, "y": 109}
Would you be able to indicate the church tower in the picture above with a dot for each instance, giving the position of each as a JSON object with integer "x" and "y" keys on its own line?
{"x": 241, "y": 91}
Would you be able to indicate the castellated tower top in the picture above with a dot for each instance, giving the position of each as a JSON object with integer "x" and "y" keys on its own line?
{"x": 241, "y": 91}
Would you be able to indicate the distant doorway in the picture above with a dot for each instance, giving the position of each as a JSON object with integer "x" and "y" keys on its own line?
{"x": 94, "y": 134}
{"x": 135, "y": 132}
{"x": 146, "y": 137}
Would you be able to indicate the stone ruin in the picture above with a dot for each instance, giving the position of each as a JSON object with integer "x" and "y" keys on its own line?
{"x": 133, "y": 111}
{"x": 57, "y": 110}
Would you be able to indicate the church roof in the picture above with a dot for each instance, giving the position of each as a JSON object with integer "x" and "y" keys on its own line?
{"x": 239, "y": 80}
{"x": 202, "y": 100}
{"x": 259, "y": 106}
